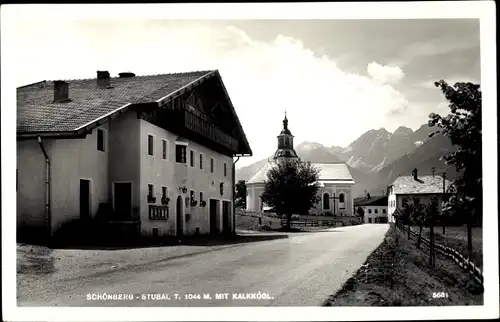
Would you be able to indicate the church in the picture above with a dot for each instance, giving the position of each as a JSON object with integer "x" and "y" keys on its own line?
{"x": 335, "y": 181}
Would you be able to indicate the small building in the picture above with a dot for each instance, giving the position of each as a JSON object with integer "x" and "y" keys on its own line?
{"x": 155, "y": 151}
{"x": 417, "y": 189}
{"x": 335, "y": 181}
{"x": 374, "y": 208}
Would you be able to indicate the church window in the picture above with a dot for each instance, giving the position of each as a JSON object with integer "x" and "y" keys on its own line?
{"x": 341, "y": 201}
{"x": 326, "y": 201}
{"x": 287, "y": 141}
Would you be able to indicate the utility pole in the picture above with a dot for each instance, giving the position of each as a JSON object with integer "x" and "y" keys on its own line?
{"x": 433, "y": 171}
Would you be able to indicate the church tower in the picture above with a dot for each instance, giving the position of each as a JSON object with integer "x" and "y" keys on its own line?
{"x": 285, "y": 144}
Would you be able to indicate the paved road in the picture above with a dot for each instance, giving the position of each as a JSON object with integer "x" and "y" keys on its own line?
{"x": 301, "y": 270}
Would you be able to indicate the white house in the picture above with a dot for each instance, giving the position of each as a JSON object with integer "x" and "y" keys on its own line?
{"x": 409, "y": 189}
{"x": 374, "y": 208}
{"x": 152, "y": 150}
{"x": 335, "y": 181}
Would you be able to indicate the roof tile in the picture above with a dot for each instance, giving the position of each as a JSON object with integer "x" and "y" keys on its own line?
{"x": 424, "y": 184}
{"x": 36, "y": 111}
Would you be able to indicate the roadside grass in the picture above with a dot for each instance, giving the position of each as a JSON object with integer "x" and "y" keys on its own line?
{"x": 398, "y": 274}
{"x": 252, "y": 223}
{"x": 456, "y": 238}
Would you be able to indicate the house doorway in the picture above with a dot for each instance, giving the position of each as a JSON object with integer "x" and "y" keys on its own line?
{"x": 122, "y": 199}
{"x": 226, "y": 213}
{"x": 179, "y": 216}
{"x": 213, "y": 216}
{"x": 84, "y": 199}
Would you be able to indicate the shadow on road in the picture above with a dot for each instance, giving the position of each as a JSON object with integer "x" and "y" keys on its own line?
{"x": 169, "y": 241}
{"x": 303, "y": 230}
{"x": 36, "y": 259}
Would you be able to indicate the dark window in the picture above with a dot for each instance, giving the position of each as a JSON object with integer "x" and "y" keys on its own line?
{"x": 369, "y": 211}
{"x": 191, "y": 195}
{"x": 180, "y": 153}
{"x": 201, "y": 161}
{"x": 326, "y": 201}
{"x": 383, "y": 211}
{"x": 225, "y": 169}
{"x": 376, "y": 211}
{"x": 191, "y": 158}
{"x": 212, "y": 165}
{"x": 150, "y": 190}
{"x": 201, "y": 196}
{"x": 369, "y": 220}
{"x": 100, "y": 140}
{"x": 164, "y": 149}
{"x": 164, "y": 192}
{"x": 341, "y": 197}
{"x": 151, "y": 145}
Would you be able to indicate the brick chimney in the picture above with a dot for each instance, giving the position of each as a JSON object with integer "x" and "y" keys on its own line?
{"x": 61, "y": 92}
{"x": 414, "y": 173}
{"x": 103, "y": 79}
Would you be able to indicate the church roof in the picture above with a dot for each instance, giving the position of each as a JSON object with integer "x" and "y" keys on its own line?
{"x": 329, "y": 173}
{"x": 261, "y": 175}
{"x": 334, "y": 171}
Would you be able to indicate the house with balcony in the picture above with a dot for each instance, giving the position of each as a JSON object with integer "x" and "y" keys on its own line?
{"x": 417, "y": 189}
{"x": 156, "y": 152}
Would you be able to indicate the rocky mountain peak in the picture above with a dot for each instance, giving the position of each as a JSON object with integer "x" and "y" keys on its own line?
{"x": 403, "y": 130}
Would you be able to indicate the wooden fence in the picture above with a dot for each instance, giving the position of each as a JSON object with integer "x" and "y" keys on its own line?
{"x": 317, "y": 223}
{"x": 462, "y": 261}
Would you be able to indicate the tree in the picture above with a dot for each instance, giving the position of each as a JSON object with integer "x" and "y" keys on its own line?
{"x": 463, "y": 127}
{"x": 240, "y": 197}
{"x": 360, "y": 212}
{"x": 408, "y": 210}
{"x": 398, "y": 215}
{"x": 291, "y": 187}
{"x": 419, "y": 217}
{"x": 431, "y": 212}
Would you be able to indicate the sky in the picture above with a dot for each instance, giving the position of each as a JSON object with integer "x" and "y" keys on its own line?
{"x": 336, "y": 79}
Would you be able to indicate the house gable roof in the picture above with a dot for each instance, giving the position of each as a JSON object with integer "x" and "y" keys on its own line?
{"x": 372, "y": 201}
{"x": 38, "y": 114}
{"x": 423, "y": 185}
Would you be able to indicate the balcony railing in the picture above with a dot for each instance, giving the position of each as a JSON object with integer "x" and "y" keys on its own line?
{"x": 158, "y": 212}
{"x": 210, "y": 131}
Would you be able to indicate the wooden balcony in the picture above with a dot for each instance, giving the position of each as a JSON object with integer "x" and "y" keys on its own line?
{"x": 199, "y": 126}
{"x": 158, "y": 212}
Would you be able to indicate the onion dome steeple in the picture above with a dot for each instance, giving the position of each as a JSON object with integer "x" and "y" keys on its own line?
{"x": 285, "y": 143}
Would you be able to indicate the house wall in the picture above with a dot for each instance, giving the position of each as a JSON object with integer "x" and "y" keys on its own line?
{"x": 373, "y": 213}
{"x": 72, "y": 160}
{"x": 159, "y": 172}
{"x": 31, "y": 183}
{"x": 124, "y": 156}
{"x": 396, "y": 201}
